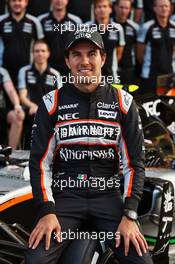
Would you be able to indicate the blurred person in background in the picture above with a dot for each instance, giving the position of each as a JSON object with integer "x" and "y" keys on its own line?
{"x": 17, "y": 31}
{"x": 149, "y": 10}
{"x": 127, "y": 70}
{"x": 34, "y": 81}
{"x": 156, "y": 41}
{"x": 52, "y": 23}
{"x": 113, "y": 38}
{"x": 14, "y": 116}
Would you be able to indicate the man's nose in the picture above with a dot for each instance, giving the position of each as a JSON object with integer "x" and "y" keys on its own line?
{"x": 84, "y": 60}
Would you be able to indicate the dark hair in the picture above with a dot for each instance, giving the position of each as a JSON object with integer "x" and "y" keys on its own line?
{"x": 40, "y": 41}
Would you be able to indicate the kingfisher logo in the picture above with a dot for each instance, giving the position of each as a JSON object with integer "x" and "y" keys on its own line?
{"x": 107, "y": 114}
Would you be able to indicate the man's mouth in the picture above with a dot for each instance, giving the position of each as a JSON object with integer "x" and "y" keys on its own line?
{"x": 85, "y": 70}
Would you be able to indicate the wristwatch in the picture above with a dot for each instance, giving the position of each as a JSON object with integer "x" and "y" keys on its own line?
{"x": 131, "y": 214}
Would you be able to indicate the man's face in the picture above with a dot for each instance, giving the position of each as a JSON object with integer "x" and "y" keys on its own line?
{"x": 59, "y": 4}
{"x": 17, "y": 6}
{"x": 103, "y": 10}
{"x": 162, "y": 8}
{"x": 123, "y": 9}
{"x": 40, "y": 53}
{"x": 85, "y": 62}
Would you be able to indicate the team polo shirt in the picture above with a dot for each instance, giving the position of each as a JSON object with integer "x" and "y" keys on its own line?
{"x": 112, "y": 39}
{"x": 130, "y": 30}
{"x": 38, "y": 84}
{"x": 17, "y": 37}
{"x": 159, "y": 48}
{"x": 56, "y": 40}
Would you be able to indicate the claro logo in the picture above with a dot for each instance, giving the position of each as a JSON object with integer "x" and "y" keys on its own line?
{"x": 68, "y": 116}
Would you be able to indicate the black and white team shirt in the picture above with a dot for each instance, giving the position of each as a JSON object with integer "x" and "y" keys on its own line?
{"x": 159, "y": 48}
{"x": 38, "y": 84}
{"x": 112, "y": 39}
{"x": 16, "y": 39}
{"x": 130, "y": 31}
{"x": 57, "y": 39}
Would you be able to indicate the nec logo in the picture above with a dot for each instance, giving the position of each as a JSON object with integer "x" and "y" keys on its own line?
{"x": 68, "y": 116}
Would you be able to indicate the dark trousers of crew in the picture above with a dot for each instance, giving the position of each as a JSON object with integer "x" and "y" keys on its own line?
{"x": 100, "y": 212}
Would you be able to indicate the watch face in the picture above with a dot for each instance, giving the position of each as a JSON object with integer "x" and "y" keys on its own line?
{"x": 131, "y": 214}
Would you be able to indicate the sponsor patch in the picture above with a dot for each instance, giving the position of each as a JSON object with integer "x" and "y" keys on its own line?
{"x": 107, "y": 114}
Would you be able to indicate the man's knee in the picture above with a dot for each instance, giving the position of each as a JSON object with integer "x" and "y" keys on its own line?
{"x": 36, "y": 256}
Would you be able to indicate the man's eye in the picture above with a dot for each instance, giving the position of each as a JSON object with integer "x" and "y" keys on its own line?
{"x": 93, "y": 53}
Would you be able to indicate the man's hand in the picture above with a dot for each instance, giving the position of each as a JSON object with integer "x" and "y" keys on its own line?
{"x": 130, "y": 232}
{"x": 19, "y": 112}
{"x": 45, "y": 226}
{"x": 33, "y": 109}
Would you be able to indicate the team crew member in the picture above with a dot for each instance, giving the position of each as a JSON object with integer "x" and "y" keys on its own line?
{"x": 155, "y": 46}
{"x": 127, "y": 71}
{"x": 35, "y": 80}
{"x": 113, "y": 38}
{"x": 17, "y": 31}
{"x": 15, "y": 116}
{"x": 78, "y": 132}
{"x": 149, "y": 10}
{"x": 52, "y": 23}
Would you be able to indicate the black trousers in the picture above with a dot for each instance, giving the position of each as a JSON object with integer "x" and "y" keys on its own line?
{"x": 99, "y": 211}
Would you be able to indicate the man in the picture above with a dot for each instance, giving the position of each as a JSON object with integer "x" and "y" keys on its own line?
{"x": 148, "y": 8}
{"x": 35, "y": 80}
{"x": 127, "y": 71}
{"x": 15, "y": 116}
{"x": 17, "y": 31}
{"x": 77, "y": 133}
{"x": 155, "y": 46}
{"x": 56, "y": 26}
{"x": 113, "y": 38}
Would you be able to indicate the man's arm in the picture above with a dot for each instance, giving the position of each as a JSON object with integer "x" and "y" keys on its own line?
{"x": 41, "y": 156}
{"x": 23, "y": 92}
{"x": 140, "y": 51}
{"x": 132, "y": 152}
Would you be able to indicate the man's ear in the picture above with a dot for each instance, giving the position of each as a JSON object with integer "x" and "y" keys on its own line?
{"x": 103, "y": 56}
{"x": 67, "y": 62}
